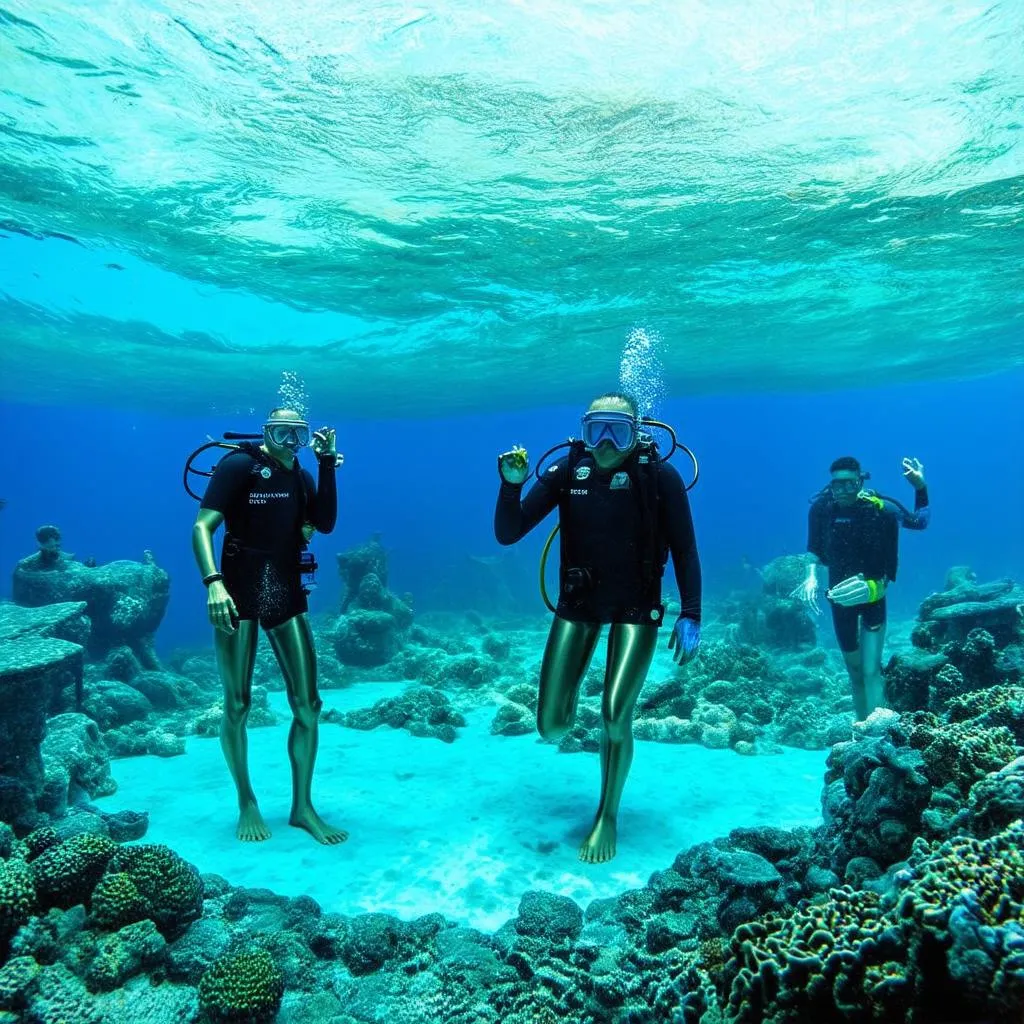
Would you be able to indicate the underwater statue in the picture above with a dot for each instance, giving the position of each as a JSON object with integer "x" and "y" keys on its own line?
{"x": 855, "y": 532}
{"x": 270, "y": 507}
{"x": 621, "y": 510}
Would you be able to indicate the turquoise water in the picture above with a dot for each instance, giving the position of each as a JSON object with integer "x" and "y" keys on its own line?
{"x": 413, "y": 202}
{"x": 794, "y": 228}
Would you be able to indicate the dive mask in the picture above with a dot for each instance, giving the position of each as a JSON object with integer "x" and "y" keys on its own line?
{"x": 288, "y": 433}
{"x": 618, "y": 428}
{"x": 845, "y": 485}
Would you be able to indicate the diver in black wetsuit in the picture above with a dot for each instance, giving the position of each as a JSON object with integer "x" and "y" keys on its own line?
{"x": 270, "y": 507}
{"x": 621, "y": 513}
{"x": 856, "y": 534}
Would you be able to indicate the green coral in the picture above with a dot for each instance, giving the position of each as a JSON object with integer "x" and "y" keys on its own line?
{"x": 67, "y": 873}
{"x": 171, "y": 887}
{"x": 992, "y": 870}
{"x": 120, "y": 956}
{"x": 17, "y": 898}
{"x": 243, "y": 986}
{"x": 960, "y": 752}
{"x": 950, "y": 942}
{"x": 152, "y": 882}
{"x": 994, "y": 706}
{"x": 116, "y": 902}
{"x": 41, "y": 840}
{"x": 814, "y": 964}
{"x": 18, "y": 978}
{"x": 965, "y": 898}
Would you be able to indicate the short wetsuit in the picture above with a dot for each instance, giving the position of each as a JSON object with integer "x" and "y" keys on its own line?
{"x": 616, "y": 534}
{"x": 860, "y": 539}
{"x": 264, "y": 507}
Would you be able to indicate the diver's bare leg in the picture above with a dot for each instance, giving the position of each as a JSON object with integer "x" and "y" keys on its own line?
{"x": 567, "y": 656}
{"x": 630, "y": 650}
{"x": 871, "y": 641}
{"x": 855, "y": 670}
{"x": 236, "y": 655}
{"x": 295, "y": 651}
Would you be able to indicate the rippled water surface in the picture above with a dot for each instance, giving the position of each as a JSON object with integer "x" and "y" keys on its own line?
{"x": 423, "y": 203}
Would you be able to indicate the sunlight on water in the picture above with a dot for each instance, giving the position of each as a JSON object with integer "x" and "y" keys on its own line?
{"x": 427, "y": 204}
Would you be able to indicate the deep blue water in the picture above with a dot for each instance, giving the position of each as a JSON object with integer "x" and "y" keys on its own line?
{"x": 112, "y": 482}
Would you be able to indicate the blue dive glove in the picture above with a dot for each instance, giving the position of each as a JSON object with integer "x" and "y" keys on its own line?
{"x": 685, "y": 639}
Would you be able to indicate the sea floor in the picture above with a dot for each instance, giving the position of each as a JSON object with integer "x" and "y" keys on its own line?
{"x": 463, "y": 829}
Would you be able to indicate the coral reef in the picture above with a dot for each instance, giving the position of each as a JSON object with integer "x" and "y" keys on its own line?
{"x": 905, "y": 905}
{"x": 947, "y": 944}
{"x": 422, "y": 710}
{"x": 964, "y": 605}
{"x": 242, "y": 987}
{"x": 876, "y": 791}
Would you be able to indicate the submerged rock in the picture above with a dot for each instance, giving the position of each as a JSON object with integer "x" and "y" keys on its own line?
{"x": 125, "y": 600}
{"x": 422, "y": 710}
{"x": 39, "y": 674}
{"x": 76, "y": 762}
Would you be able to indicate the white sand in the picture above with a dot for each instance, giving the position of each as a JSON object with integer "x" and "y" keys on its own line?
{"x": 456, "y": 828}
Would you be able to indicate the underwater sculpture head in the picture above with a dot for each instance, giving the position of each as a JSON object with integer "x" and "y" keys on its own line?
{"x": 48, "y": 539}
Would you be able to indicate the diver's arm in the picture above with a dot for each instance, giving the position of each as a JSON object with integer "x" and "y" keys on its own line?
{"x": 922, "y": 514}
{"x": 913, "y": 473}
{"x": 206, "y": 525}
{"x": 323, "y": 514}
{"x": 220, "y": 607}
{"x": 514, "y": 518}
{"x": 682, "y": 541}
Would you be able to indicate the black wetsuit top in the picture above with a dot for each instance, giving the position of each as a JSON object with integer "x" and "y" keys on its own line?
{"x": 264, "y": 507}
{"x": 862, "y": 538}
{"x": 608, "y": 532}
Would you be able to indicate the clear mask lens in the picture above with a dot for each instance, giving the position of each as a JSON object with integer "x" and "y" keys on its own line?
{"x": 619, "y": 429}
{"x": 844, "y": 486}
{"x": 286, "y": 434}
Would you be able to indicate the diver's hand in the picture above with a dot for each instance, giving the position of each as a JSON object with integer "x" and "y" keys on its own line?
{"x": 852, "y": 591}
{"x": 221, "y": 608}
{"x": 684, "y": 640}
{"x": 913, "y": 470}
{"x": 324, "y": 444}
{"x": 514, "y": 465}
{"x": 808, "y": 592}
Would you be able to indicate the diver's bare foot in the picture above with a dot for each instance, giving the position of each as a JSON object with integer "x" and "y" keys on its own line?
{"x": 317, "y": 827}
{"x": 599, "y": 846}
{"x": 251, "y": 826}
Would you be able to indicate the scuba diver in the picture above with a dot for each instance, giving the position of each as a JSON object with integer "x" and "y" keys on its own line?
{"x": 621, "y": 509}
{"x": 855, "y": 532}
{"x": 270, "y": 508}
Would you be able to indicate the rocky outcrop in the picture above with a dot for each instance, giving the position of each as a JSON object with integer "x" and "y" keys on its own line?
{"x": 40, "y": 673}
{"x": 125, "y": 600}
